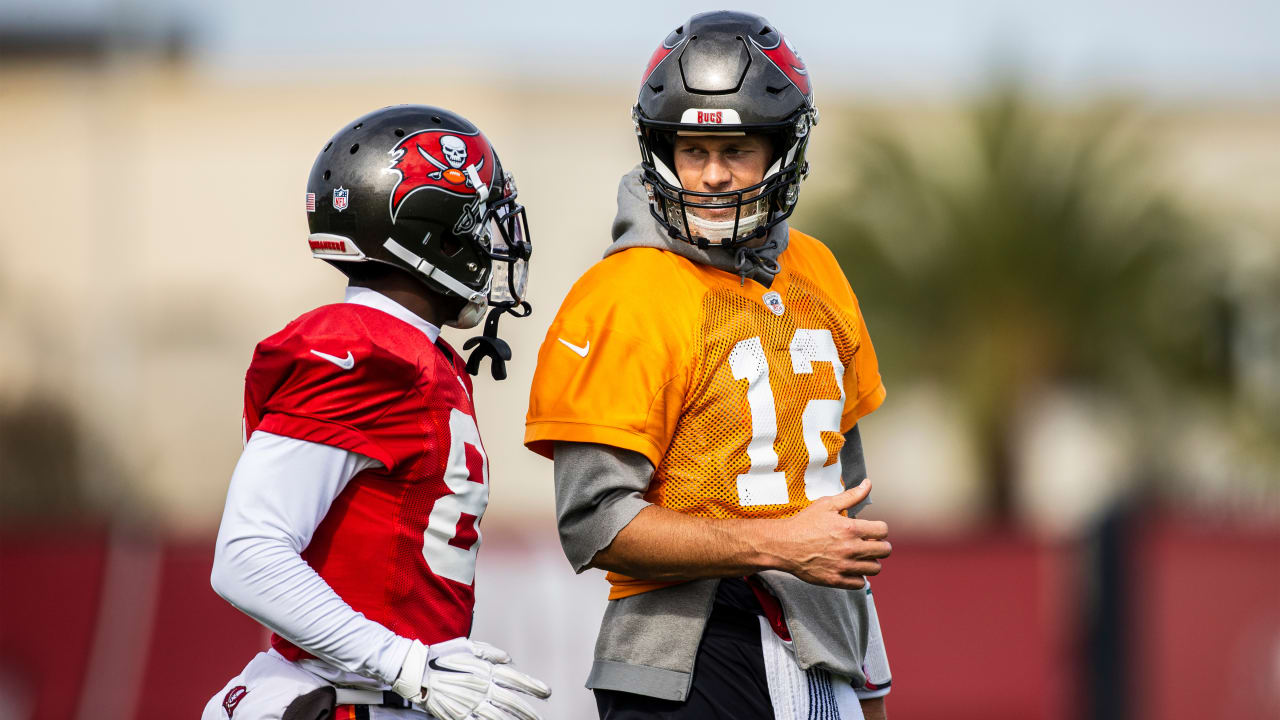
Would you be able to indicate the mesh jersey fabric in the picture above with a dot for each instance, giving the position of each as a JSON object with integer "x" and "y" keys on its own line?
{"x": 399, "y": 543}
{"x": 737, "y": 393}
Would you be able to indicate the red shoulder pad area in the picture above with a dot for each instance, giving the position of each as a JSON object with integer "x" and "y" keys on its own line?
{"x": 329, "y": 376}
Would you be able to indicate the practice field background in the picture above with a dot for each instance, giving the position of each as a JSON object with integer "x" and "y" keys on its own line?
{"x": 1062, "y": 221}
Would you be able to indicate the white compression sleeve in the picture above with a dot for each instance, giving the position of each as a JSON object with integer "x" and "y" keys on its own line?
{"x": 280, "y": 492}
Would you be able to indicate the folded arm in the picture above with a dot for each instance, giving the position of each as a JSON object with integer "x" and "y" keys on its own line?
{"x": 280, "y": 491}
{"x": 605, "y": 522}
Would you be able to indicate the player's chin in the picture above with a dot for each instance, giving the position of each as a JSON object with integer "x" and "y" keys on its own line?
{"x": 712, "y": 215}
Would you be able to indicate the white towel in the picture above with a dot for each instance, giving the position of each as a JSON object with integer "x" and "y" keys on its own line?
{"x": 804, "y": 695}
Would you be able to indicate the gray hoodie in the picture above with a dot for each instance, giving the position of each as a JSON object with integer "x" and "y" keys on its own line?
{"x": 634, "y": 226}
{"x": 648, "y": 642}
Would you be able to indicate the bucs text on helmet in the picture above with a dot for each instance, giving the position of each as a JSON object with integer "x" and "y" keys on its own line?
{"x": 420, "y": 188}
{"x": 727, "y": 73}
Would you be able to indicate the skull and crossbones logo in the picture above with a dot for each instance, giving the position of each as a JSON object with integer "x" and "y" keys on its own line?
{"x": 455, "y": 153}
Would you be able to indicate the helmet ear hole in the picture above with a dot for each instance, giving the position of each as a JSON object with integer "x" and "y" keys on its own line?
{"x": 450, "y": 246}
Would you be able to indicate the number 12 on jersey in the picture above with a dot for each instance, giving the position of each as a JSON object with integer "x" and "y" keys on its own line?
{"x": 763, "y": 484}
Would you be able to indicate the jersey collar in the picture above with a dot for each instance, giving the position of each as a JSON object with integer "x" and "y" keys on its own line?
{"x": 378, "y": 301}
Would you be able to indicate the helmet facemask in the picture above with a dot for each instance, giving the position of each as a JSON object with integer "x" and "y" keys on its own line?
{"x": 509, "y": 245}
{"x": 504, "y": 234}
{"x": 500, "y": 235}
{"x": 755, "y": 209}
{"x": 724, "y": 73}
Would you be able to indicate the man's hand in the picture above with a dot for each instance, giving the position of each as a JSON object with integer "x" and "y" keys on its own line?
{"x": 465, "y": 680}
{"x": 821, "y": 546}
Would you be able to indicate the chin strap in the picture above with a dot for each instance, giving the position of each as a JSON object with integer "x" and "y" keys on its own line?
{"x": 490, "y": 345}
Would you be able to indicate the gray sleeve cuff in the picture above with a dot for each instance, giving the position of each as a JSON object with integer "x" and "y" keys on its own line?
{"x": 599, "y": 489}
{"x": 853, "y": 466}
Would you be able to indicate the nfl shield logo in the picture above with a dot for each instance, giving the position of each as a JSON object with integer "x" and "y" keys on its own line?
{"x": 773, "y": 301}
{"x": 340, "y": 198}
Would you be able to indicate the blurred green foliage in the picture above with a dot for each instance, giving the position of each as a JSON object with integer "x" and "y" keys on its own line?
{"x": 1031, "y": 250}
{"x": 40, "y": 460}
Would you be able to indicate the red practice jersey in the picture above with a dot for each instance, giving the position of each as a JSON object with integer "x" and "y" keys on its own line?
{"x": 399, "y": 543}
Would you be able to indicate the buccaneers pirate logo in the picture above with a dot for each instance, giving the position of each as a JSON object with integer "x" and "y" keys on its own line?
{"x": 442, "y": 160}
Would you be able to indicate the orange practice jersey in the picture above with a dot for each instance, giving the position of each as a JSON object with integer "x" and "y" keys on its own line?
{"x": 738, "y": 394}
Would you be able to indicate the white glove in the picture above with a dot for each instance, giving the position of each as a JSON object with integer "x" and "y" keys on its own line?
{"x": 465, "y": 680}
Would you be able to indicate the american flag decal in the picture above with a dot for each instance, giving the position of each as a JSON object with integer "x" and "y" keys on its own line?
{"x": 311, "y": 202}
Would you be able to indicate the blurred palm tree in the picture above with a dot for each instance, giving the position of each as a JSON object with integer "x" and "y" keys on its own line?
{"x": 40, "y": 447}
{"x": 1038, "y": 253}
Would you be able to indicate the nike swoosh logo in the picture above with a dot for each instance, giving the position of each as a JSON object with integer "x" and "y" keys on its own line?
{"x": 580, "y": 351}
{"x": 345, "y": 363}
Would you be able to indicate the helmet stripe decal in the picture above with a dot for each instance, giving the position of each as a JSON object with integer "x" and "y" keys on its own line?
{"x": 785, "y": 58}
{"x": 658, "y": 56}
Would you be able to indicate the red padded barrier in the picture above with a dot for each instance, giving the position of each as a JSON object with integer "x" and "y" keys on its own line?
{"x": 1205, "y": 610}
{"x": 48, "y": 610}
{"x": 198, "y": 641}
{"x": 980, "y": 627}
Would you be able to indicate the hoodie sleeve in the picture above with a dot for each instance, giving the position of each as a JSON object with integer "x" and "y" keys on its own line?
{"x": 599, "y": 491}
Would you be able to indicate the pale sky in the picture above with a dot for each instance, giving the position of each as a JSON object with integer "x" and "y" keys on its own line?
{"x": 1170, "y": 49}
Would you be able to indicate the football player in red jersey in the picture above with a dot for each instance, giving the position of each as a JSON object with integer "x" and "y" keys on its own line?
{"x": 352, "y": 520}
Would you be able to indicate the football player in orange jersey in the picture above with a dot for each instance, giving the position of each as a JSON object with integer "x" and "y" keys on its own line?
{"x": 699, "y": 391}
